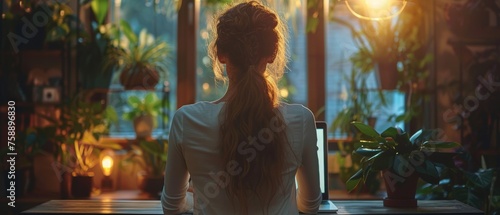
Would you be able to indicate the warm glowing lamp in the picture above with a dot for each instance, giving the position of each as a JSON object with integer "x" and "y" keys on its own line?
{"x": 375, "y": 9}
{"x": 107, "y": 167}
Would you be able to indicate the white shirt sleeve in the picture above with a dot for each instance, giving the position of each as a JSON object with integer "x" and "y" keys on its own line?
{"x": 309, "y": 193}
{"x": 173, "y": 198}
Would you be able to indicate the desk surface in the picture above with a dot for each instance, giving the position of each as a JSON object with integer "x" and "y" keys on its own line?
{"x": 154, "y": 207}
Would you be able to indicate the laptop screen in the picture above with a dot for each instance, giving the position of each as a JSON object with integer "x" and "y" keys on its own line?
{"x": 322, "y": 158}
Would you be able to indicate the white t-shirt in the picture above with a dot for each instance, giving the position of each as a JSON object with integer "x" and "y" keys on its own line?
{"x": 194, "y": 151}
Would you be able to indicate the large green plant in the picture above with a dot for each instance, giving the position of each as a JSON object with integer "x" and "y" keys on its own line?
{"x": 393, "y": 148}
{"x": 400, "y": 43}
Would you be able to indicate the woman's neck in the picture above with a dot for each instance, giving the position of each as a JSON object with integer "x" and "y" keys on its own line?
{"x": 232, "y": 89}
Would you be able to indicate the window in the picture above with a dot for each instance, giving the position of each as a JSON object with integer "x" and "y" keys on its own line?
{"x": 293, "y": 87}
{"x": 340, "y": 91}
{"x": 159, "y": 18}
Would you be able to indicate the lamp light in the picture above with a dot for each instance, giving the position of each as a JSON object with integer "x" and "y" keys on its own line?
{"x": 107, "y": 165}
{"x": 375, "y": 9}
{"x": 107, "y": 168}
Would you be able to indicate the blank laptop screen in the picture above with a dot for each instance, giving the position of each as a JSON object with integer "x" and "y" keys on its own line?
{"x": 321, "y": 158}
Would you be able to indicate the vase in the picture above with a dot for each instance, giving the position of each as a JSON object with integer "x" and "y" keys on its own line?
{"x": 400, "y": 190}
{"x": 143, "y": 126}
{"x": 81, "y": 185}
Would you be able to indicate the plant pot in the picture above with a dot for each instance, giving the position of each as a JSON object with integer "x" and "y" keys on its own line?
{"x": 400, "y": 190}
{"x": 153, "y": 185}
{"x": 139, "y": 79}
{"x": 387, "y": 75}
{"x": 143, "y": 126}
{"x": 81, "y": 185}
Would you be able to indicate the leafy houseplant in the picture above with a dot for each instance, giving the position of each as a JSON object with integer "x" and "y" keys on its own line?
{"x": 140, "y": 59}
{"x": 151, "y": 156}
{"x": 479, "y": 189}
{"x": 401, "y": 158}
{"x": 76, "y": 137}
{"x": 143, "y": 113}
{"x": 397, "y": 51}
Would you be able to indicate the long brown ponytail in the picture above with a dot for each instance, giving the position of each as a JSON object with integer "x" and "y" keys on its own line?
{"x": 247, "y": 34}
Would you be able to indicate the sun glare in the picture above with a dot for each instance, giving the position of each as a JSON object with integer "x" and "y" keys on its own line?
{"x": 377, "y": 4}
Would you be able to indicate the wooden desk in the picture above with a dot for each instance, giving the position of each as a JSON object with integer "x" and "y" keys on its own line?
{"x": 154, "y": 207}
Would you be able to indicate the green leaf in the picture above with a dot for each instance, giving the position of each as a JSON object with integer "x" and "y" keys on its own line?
{"x": 429, "y": 174}
{"x": 366, "y": 130}
{"x": 357, "y": 175}
{"x": 351, "y": 184}
{"x": 129, "y": 33}
{"x": 354, "y": 180}
{"x": 367, "y": 152}
{"x": 422, "y": 135}
{"x": 415, "y": 136}
{"x": 390, "y": 132}
{"x": 100, "y": 9}
{"x": 466, "y": 195}
{"x": 481, "y": 179}
{"x": 134, "y": 101}
{"x": 375, "y": 156}
{"x": 150, "y": 99}
{"x": 111, "y": 114}
{"x": 367, "y": 144}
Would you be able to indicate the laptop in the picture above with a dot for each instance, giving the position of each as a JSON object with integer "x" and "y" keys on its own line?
{"x": 326, "y": 205}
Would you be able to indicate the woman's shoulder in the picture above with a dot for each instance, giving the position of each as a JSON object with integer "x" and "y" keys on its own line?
{"x": 198, "y": 107}
{"x": 295, "y": 109}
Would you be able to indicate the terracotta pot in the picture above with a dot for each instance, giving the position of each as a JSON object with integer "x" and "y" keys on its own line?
{"x": 143, "y": 126}
{"x": 400, "y": 190}
{"x": 81, "y": 185}
{"x": 139, "y": 79}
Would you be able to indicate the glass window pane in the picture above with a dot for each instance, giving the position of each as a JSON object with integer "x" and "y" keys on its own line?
{"x": 159, "y": 18}
{"x": 293, "y": 86}
{"x": 350, "y": 94}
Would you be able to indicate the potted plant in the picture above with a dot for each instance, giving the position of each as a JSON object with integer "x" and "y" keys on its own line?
{"x": 396, "y": 49}
{"x": 151, "y": 156}
{"x": 140, "y": 59}
{"x": 143, "y": 113}
{"x": 401, "y": 159}
{"x": 76, "y": 137}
